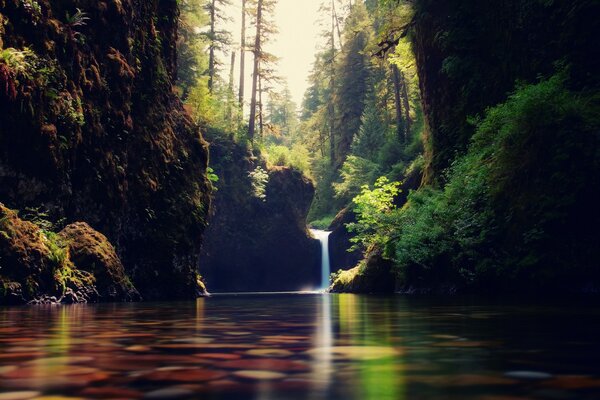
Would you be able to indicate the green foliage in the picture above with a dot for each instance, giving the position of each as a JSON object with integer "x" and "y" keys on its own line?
{"x": 33, "y": 9}
{"x": 516, "y": 209}
{"x": 373, "y": 208}
{"x": 356, "y": 173}
{"x": 322, "y": 223}
{"x": 212, "y": 176}
{"x": 343, "y": 278}
{"x": 74, "y": 22}
{"x": 4, "y": 229}
{"x": 41, "y": 218}
{"x": 259, "y": 178}
{"x": 58, "y": 250}
{"x": 353, "y": 93}
{"x": 296, "y": 157}
{"x": 18, "y": 61}
{"x": 371, "y": 135}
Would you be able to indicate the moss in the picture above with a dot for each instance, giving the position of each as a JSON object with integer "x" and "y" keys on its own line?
{"x": 95, "y": 133}
{"x": 343, "y": 278}
{"x": 93, "y": 260}
{"x": 371, "y": 275}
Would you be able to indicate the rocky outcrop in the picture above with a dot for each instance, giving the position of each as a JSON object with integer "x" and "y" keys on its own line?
{"x": 372, "y": 275}
{"x": 90, "y": 130}
{"x": 77, "y": 265}
{"x": 257, "y": 239}
{"x": 339, "y": 242}
{"x": 91, "y": 251}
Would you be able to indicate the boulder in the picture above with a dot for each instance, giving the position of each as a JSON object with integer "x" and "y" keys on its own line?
{"x": 91, "y": 251}
{"x": 339, "y": 242}
{"x": 373, "y": 275}
{"x": 41, "y": 267}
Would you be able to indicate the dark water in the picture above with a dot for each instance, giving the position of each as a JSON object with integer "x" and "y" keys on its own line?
{"x": 305, "y": 346}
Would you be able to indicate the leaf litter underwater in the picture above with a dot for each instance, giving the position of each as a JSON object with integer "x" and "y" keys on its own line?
{"x": 309, "y": 346}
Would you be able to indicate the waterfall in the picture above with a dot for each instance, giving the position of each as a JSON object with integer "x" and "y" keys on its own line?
{"x": 323, "y": 237}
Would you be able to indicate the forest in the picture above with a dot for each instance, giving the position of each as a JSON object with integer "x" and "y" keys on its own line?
{"x": 463, "y": 166}
{"x": 325, "y": 199}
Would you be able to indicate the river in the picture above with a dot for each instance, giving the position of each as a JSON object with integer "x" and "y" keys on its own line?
{"x": 302, "y": 346}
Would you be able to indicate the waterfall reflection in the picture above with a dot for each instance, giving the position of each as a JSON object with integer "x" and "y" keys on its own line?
{"x": 322, "y": 368}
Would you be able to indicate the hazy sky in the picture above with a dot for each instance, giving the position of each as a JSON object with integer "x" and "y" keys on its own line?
{"x": 295, "y": 44}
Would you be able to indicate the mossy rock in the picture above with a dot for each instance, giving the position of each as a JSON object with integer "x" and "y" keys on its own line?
{"x": 76, "y": 265}
{"x": 91, "y": 251}
{"x": 25, "y": 256}
{"x": 372, "y": 275}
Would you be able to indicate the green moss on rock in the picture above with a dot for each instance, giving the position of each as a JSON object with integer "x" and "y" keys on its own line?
{"x": 76, "y": 265}
{"x": 372, "y": 275}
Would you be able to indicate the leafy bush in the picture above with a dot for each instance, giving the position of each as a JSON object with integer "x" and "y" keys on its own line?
{"x": 373, "y": 209}
{"x": 259, "y": 178}
{"x": 356, "y": 172}
{"x": 322, "y": 223}
{"x": 297, "y": 157}
{"x": 518, "y": 208}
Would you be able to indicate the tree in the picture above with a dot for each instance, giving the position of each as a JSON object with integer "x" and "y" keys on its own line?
{"x": 242, "y": 55}
{"x": 192, "y": 60}
{"x": 218, "y": 39}
{"x": 282, "y": 118}
{"x": 353, "y": 70}
{"x": 263, "y": 71}
{"x": 372, "y": 133}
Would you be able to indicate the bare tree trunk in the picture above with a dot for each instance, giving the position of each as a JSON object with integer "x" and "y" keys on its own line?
{"x": 257, "y": 51}
{"x": 211, "y": 57}
{"x": 337, "y": 22}
{"x": 405, "y": 103}
{"x": 260, "y": 109}
{"x": 231, "y": 95}
{"x": 400, "y": 128}
{"x": 322, "y": 142}
{"x": 332, "y": 88}
{"x": 242, "y": 56}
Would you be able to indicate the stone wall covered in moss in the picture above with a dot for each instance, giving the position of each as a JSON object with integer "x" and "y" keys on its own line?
{"x": 91, "y": 131}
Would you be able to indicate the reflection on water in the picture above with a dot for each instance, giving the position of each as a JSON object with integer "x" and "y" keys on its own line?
{"x": 301, "y": 346}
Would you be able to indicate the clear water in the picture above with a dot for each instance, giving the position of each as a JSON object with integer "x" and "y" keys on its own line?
{"x": 323, "y": 237}
{"x": 302, "y": 346}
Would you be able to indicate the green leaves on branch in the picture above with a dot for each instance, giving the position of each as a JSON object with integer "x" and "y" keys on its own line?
{"x": 259, "y": 178}
{"x": 374, "y": 209}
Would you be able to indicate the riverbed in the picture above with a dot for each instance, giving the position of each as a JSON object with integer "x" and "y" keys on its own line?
{"x": 302, "y": 346}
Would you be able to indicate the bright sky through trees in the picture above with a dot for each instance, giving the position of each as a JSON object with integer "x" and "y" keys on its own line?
{"x": 295, "y": 44}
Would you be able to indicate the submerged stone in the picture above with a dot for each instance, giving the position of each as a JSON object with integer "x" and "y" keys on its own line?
{"x": 528, "y": 375}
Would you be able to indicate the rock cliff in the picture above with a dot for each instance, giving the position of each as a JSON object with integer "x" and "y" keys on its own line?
{"x": 257, "y": 239}
{"x": 91, "y": 131}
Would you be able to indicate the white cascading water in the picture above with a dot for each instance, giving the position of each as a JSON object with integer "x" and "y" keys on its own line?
{"x": 323, "y": 237}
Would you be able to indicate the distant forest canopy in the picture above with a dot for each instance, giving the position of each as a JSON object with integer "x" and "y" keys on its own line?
{"x": 491, "y": 108}
{"x": 361, "y": 116}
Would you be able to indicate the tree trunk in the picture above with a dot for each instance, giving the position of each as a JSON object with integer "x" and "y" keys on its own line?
{"x": 405, "y": 104}
{"x": 242, "y": 56}
{"x": 260, "y": 109}
{"x": 257, "y": 51}
{"x": 231, "y": 95}
{"x": 332, "y": 88}
{"x": 400, "y": 128}
{"x": 211, "y": 57}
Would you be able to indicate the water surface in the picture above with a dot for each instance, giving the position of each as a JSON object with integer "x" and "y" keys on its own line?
{"x": 301, "y": 346}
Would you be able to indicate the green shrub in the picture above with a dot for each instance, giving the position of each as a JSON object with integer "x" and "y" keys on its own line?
{"x": 322, "y": 223}
{"x": 518, "y": 208}
{"x": 260, "y": 179}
